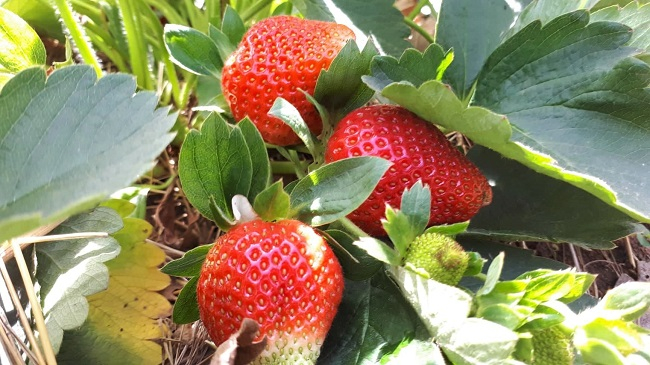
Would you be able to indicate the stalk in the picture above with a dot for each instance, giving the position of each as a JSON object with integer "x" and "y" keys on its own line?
{"x": 416, "y": 27}
{"x": 85, "y": 49}
{"x": 249, "y": 13}
{"x": 137, "y": 47}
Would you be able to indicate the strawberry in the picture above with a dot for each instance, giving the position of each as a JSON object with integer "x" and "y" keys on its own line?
{"x": 276, "y": 58}
{"x": 282, "y": 275}
{"x": 418, "y": 150}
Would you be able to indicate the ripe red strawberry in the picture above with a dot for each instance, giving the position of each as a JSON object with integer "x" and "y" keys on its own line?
{"x": 282, "y": 275}
{"x": 277, "y": 57}
{"x": 418, "y": 150}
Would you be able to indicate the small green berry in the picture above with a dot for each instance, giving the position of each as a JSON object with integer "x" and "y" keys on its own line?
{"x": 551, "y": 346}
{"x": 438, "y": 256}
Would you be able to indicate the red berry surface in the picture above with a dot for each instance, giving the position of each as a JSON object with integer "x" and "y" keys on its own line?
{"x": 418, "y": 150}
{"x": 282, "y": 275}
{"x": 278, "y": 57}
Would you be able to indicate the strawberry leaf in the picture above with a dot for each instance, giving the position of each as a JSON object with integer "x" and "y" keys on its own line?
{"x": 221, "y": 41}
{"x": 628, "y": 301}
{"x": 381, "y": 21}
{"x": 535, "y": 207}
{"x": 186, "y": 308}
{"x": 372, "y": 320}
{"x": 69, "y": 271}
{"x": 427, "y": 351}
{"x": 447, "y": 321}
{"x": 633, "y": 15}
{"x": 473, "y": 29}
{"x": 232, "y": 26}
{"x": 544, "y": 11}
{"x": 413, "y": 67}
{"x": 334, "y": 190}
{"x": 124, "y": 320}
{"x": 188, "y": 265}
{"x": 20, "y": 46}
{"x": 215, "y": 165}
{"x": 340, "y": 88}
{"x": 73, "y": 140}
{"x": 288, "y": 113}
{"x": 193, "y": 50}
{"x": 261, "y": 173}
{"x": 400, "y": 229}
{"x": 378, "y": 250}
{"x": 416, "y": 205}
{"x": 557, "y": 118}
{"x": 272, "y": 203}
{"x": 449, "y": 229}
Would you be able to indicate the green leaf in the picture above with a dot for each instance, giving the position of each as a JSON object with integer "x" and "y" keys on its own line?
{"x": 462, "y": 339}
{"x": 621, "y": 334}
{"x": 372, "y": 320}
{"x": 192, "y": 50}
{"x": 272, "y": 203}
{"x": 232, "y": 26}
{"x": 124, "y": 320}
{"x": 20, "y": 46}
{"x": 261, "y": 172}
{"x": 186, "y": 308}
{"x": 381, "y": 20}
{"x": 544, "y": 11}
{"x": 571, "y": 106}
{"x": 357, "y": 263}
{"x": 599, "y": 352}
{"x": 493, "y": 275}
{"x": 413, "y": 67}
{"x": 69, "y": 271}
{"x": 517, "y": 262}
{"x": 378, "y": 250}
{"x": 634, "y": 16}
{"x": 475, "y": 264}
{"x": 473, "y": 29}
{"x": 70, "y": 143}
{"x": 627, "y": 301}
{"x": 400, "y": 229}
{"x": 221, "y": 41}
{"x": 288, "y": 113}
{"x": 550, "y": 286}
{"x": 539, "y": 208}
{"x": 449, "y": 229}
{"x": 416, "y": 205}
{"x": 558, "y": 127}
{"x": 335, "y": 190}
{"x": 39, "y": 14}
{"x": 425, "y": 297}
{"x": 503, "y": 314}
{"x": 427, "y": 353}
{"x": 215, "y": 164}
{"x": 340, "y": 88}
{"x": 188, "y": 265}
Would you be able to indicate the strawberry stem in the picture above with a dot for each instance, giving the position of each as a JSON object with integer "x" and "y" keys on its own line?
{"x": 352, "y": 228}
{"x": 416, "y": 27}
{"x": 249, "y": 13}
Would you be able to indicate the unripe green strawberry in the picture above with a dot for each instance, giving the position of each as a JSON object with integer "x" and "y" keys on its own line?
{"x": 419, "y": 151}
{"x": 551, "y": 346}
{"x": 439, "y": 256}
{"x": 278, "y": 57}
{"x": 282, "y": 275}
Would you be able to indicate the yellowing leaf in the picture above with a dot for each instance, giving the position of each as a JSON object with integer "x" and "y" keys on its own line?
{"x": 123, "y": 320}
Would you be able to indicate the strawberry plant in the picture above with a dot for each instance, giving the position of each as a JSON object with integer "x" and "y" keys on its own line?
{"x": 364, "y": 184}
